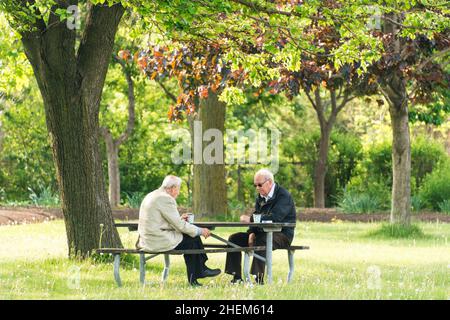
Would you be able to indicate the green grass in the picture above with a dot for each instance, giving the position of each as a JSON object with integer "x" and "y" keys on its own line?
{"x": 344, "y": 262}
{"x": 388, "y": 231}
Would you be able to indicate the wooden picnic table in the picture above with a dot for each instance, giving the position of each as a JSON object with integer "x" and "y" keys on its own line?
{"x": 268, "y": 227}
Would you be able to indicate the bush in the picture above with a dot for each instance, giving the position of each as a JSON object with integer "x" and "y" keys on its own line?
{"x": 344, "y": 154}
{"x": 378, "y": 190}
{"x": 358, "y": 203}
{"x": 416, "y": 203}
{"x": 45, "y": 198}
{"x": 134, "y": 199}
{"x": 425, "y": 156}
{"x": 436, "y": 187}
{"x": 444, "y": 206}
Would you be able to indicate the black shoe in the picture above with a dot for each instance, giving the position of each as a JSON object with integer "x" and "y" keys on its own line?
{"x": 195, "y": 283}
{"x": 237, "y": 281}
{"x": 209, "y": 273}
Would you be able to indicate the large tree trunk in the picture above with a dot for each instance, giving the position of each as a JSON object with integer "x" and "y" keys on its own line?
{"x": 401, "y": 165}
{"x": 394, "y": 90}
{"x": 71, "y": 86}
{"x": 209, "y": 194}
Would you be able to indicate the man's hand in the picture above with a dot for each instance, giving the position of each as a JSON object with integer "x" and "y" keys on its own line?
{"x": 245, "y": 219}
{"x": 184, "y": 217}
{"x": 205, "y": 232}
{"x": 251, "y": 239}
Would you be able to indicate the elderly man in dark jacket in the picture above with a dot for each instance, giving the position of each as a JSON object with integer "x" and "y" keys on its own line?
{"x": 275, "y": 204}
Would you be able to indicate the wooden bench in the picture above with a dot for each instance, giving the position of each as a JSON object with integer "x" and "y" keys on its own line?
{"x": 209, "y": 248}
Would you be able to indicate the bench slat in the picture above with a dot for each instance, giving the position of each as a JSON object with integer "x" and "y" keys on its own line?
{"x": 218, "y": 248}
{"x": 213, "y": 245}
{"x": 298, "y": 248}
{"x": 175, "y": 252}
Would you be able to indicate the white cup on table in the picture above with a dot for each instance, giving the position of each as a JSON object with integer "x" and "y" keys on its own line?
{"x": 190, "y": 217}
{"x": 256, "y": 218}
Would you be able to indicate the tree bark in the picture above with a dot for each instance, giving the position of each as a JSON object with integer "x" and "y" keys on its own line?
{"x": 394, "y": 90}
{"x": 71, "y": 86}
{"x": 326, "y": 126}
{"x": 112, "y": 152}
{"x": 209, "y": 194}
{"x": 401, "y": 164}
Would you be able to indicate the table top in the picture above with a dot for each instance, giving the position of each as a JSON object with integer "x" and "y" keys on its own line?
{"x": 133, "y": 225}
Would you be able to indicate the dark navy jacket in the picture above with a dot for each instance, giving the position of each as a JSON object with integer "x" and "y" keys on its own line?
{"x": 279, "y": 208}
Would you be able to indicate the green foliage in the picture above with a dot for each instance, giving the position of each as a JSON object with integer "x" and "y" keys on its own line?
{"x": 45, "y": 197}
{"x": 298, "y": 182}
{"x": 425, "y": 155}
{"x": 379, "y": 163}
{"x": 436, "y": 186}
{"x": 26, "y": 157}
{"x": 351, "y": 202}
{"x": 416, "y": 203}
{"x": 134, "y": 199}
{"x": 397, "y": 231}
{"x": 444, "y": 206}
{"x": 344, "y": 154}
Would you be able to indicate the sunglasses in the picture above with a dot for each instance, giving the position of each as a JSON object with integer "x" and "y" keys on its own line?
{"x": 259, "y": 185}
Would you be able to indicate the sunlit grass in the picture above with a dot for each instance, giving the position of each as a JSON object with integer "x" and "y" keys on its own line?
{"x": 343, "y": 263}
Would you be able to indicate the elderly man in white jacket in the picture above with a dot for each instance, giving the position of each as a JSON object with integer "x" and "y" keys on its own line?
{"x": 161, "y": 228}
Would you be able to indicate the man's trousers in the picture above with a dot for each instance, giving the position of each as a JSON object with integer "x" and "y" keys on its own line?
{"x": 195, "y": 263}
{"x": 233, "y": 263}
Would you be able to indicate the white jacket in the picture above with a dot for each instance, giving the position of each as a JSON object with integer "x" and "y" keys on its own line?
{"x": 160, "y": 224}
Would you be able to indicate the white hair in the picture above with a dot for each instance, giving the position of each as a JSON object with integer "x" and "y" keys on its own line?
{"x": 171, "y": 181}
{"x": 266, "y": 174}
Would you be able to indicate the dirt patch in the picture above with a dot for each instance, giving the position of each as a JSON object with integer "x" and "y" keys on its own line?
{"x": 16, "y": 215}
{"x": 329, "y": 215}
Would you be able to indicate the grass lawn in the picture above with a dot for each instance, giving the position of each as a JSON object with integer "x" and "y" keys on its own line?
{"x": 343, "y": 263}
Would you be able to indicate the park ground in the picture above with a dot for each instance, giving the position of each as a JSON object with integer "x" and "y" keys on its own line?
{"x": 344, "y": 262}
{"x": 23, "y": 215}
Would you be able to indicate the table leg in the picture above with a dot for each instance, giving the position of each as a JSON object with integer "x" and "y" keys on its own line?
{"x": 142, "y": 268}
{"x": 116, "y": 269}
{"x": 269, "y": 245}
{"x": 165, "y": 273}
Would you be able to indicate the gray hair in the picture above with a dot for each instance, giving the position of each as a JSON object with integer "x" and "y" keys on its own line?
{"x": 265, "y": 173}
{"x": 171, "y": 181}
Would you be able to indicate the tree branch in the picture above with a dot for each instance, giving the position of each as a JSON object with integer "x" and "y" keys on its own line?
{"x": 167, "y": 92}
{"x": 311, "y": 100}
{"x": 319, "y": 109}
{"x": 431, "y": 58}
{"x": 96, "y": 47}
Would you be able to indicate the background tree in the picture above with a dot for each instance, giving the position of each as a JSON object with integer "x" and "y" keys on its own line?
{"x": 113, "y": 144}
{"x": 201, "y": 76}
{"x": 409, "y": 60}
